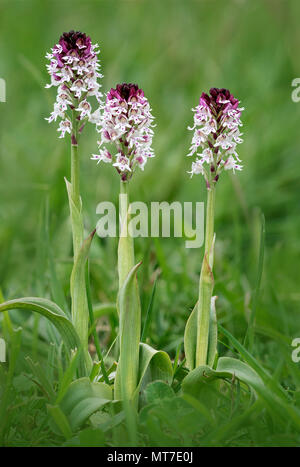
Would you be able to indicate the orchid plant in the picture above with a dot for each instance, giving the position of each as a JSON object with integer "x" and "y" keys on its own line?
{"x": 75, "y": 71}
{"x": 216, "y": 136}
{"x": 126, "y": 143}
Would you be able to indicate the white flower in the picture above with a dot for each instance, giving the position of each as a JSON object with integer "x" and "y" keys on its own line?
{"x": 197, "y": 168}
{"x": 230, "y": 164}
{"x": 65, "y": 126}
{"x": 85, "y": 109}
{"x": 104, "y": 155}
{"x": 122, "y": 163}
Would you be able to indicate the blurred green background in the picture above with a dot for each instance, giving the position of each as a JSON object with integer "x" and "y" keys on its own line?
{"x": 174, "y": 50}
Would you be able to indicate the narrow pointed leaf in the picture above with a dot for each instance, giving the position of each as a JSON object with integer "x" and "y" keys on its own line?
{"x": 213, "y": 334}
{"x": 130, "y": 330}
{"x": 190, "y": 339}
{"x": 80, "y": 314}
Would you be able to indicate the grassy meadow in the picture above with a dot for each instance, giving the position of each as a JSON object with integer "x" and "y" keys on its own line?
{"x": 174, "y": 50}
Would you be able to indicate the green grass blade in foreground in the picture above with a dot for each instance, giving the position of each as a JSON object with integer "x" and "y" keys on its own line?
{"x": 92, "y": 323}
{"x": 54, "y": 314}
{"x": 148, "y": 314}
{"x": 41, "y": 379}
{"x": 233, "y": 368}
{"x": 253, "y": 363}
{"x": 68, "y": 375}
{"x": 249, "y": 338}
{"x": 14, "y": 349}
{"x": 60, "y": 420}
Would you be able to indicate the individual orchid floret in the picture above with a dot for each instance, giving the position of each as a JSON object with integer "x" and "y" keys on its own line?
{"x": 75, "y": 70}
{"x": 126, "y": 127}
{"x": 216, "y": 135}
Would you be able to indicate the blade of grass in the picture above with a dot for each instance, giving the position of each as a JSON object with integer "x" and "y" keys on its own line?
{"x": 92, "y": 322}
{"x": 149, "y": 314}
{"x": 249, "y": 338}
{"x": 265, "y": 376}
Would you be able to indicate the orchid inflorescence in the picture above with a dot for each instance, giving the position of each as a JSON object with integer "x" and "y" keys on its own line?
{"x": 126, "y": 125}
{"x": 216, "y": 125}
{"x": 74, "y": 70}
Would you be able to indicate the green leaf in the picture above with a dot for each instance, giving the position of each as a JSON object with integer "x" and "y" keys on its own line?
{"x": 213, "y": 334}
{"x": 80, "y": 314}
{"x": 54, "y": 314}
{"x": 68, "y": 376}
{"x": 157, "y": 391}
{"x": 130, "y": 328}
{"x": 82, "y": 399}
{"x": 60, "y": 420}
{"x": 190, "y": 337}
{"x": 76, "y": 220}
{"x": 153, "y": 365}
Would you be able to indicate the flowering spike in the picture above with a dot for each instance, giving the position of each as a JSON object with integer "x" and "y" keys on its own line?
{"x": 74, "y": 70}
{"x": 216, "y": 133}
{"x": 126, "y": 125}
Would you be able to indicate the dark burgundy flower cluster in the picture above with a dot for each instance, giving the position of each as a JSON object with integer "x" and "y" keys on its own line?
{"x": 74, "y": 44}
{"x": 126, "y": 92}
{"x": 219, "y": 99}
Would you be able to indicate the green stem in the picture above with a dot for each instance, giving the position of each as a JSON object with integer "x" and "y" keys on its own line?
{"x": 126, "y": 244}
{"x": 128, "y": 307}
{"x": 206, "y": 283}
{"x": 77, "y": 227}
{"x": 80, "y": 314}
